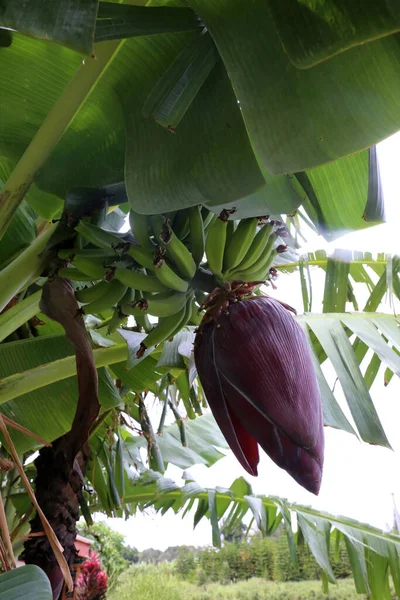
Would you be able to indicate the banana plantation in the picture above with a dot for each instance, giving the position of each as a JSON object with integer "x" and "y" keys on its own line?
{"x": 161, "y": 165}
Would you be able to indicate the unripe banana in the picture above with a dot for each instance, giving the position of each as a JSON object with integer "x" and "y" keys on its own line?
{"x": 215, "y": 245}
{"x": 196, "y": 234}
{"x": 230, "y": 230}
{"x": 97, "y": 236}
{"x": 240, "y": 242}
{"x": 181, "y": 224}
{"x": 158, "y": 305}
{"x": 89, "y": 294}
{"x": 142, "y": 256}
{"x": 116, "y": 320}
{"x": 94, "y": 267}
{"x": 260, "y": 273}
{"x": 162, "y": 331}
{"x": 140, "y": 229}
{"x": 258, "y": 264}
{"x": 169, "y": 278}
{"x": 135, "y": 309}
{"x": 186, "y": 317}
{"x": 129, "y": 296}
{"x": 73, "y": 274}
{"x": 103, "y": 323}
{"x": 106, "y": 255}
{"x": 114, "y": 294}
{"x": 139, "y": 281}
{"x": 195, "y": 317}
{"x": 208, "y": 218}
{"x": 258, "y": 247}
{"x": 176, "y": 251}
{"x": 144, "y": 322}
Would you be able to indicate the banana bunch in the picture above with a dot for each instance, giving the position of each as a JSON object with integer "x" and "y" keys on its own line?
{"x": 150, "y": 281}
{"x": 244, "y": 250}
{"x": 150, "y": 273}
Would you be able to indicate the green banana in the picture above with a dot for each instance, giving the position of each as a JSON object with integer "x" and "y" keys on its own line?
{"x": 169, "y": 278}
{"x": 195, "y": 317}
{"x": 186, "y": 317}
{"x": 258, "y": 247}
{"x": 98, "y": 236}
{"x": 180, "y": 224}
{"x": 116, "y": 320}
{"x": 230, "y": 230}
{"x": 108, "y": 254}
{"x": 157, "y": 224}
{"x": 208, "y": 218}
{"x": 135, "y": 309}
{"x": 239, "y": 244}
{"x": 196, "y": 234}
{"x": 103, "y": 323}
{"x": 166, "y": 303}
{"x": 140, "y": 229}
{"x": 260, "y": 272}
{"x": 144, "y": 322}
{"x": 176, "y": 251}
{"x": 88, "y": 294}
{"x": 129, "y": 296}
{"x": 73, "y": 274}
{"x": 215, "y": 245}
{"x": 158, "y": 305}
{"x": 164, "y": 329}
{"x": 114, "y": 294}
{"x": 142, "y": 256}
{"x": 90, "y": 266}
{"x": 258, "y": 264}
{"x": 139, "y": 281}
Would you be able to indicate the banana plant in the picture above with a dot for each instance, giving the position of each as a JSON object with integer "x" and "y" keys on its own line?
{"x": 156, "y": 110}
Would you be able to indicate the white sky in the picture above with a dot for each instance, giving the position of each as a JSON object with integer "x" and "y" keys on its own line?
{"x": 358, "y": 479}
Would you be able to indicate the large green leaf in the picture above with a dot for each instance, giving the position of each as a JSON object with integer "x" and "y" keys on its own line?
{"x": 335, "y": 342}
{"x": 298, "y": 119}
{"x": 314, "y": 531}
{"x": 345, "y": 194}
{"x": 67, "y": 22}
{"x": 330, "y": 338}
{"x": 116, "y": 22}
{"x": 312, "y": 32}
{"x": 166, "y": 171}
{"x": 26, "y": 583}
{"x": 57, "y": 401}
{"x": 203, "y": 439}
{"x": 210, "y": 158}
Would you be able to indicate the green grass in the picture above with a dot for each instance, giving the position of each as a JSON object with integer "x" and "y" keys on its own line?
{"x": 159, "y": 583}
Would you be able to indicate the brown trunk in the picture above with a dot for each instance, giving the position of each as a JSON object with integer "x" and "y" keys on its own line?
{"x": 60, "y": 468}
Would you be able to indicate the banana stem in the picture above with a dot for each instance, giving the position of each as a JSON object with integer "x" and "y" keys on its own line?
{"x": 204, "y": 281}
{"x": 156, "y": 462}
{"x": 164, "y": 413}
{"x": 25, "y": 268}
{"x": 180, "y": 422}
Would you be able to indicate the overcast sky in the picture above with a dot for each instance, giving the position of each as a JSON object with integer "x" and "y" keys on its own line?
{"x": 358, "y": 479}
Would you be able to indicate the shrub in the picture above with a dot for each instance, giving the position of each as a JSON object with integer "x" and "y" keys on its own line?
{"x": 91, "y": 583}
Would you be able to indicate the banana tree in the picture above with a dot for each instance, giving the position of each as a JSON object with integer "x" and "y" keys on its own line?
{"x": 157, "y": 109}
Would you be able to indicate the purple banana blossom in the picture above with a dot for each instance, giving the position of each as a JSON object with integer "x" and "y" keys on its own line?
{"x": 256, "y": 370}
